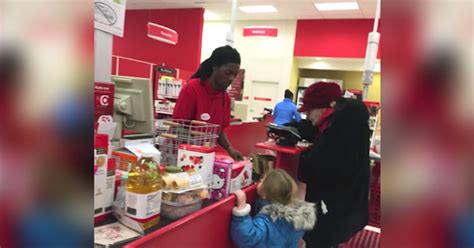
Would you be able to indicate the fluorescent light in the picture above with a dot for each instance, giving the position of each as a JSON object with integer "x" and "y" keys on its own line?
{"x": 258, "y": 9}
{"x": 337, "y": 6}
{"x": 209, "y": 15}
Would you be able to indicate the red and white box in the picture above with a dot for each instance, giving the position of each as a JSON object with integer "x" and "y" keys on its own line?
{"x": 230, "y": 176}
{"x": 197, "y": 159}
{"x": 104, "y": 177}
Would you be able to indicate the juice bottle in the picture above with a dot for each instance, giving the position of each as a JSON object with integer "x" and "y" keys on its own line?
{"x": 143, "y": 191}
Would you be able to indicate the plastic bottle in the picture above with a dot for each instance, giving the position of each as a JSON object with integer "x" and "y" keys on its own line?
{"x": 122, "y": 190}
{"x": 144, "y": 190}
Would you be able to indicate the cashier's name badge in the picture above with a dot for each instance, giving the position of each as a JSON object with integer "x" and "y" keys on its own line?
{"x": 205, "y": 117}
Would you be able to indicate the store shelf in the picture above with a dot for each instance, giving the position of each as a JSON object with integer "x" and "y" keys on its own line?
{"x": 168, "y": 97}
{"x": 164, "y": 113}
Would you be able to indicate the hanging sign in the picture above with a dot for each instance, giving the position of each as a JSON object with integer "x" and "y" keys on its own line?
{"x": 109, "y": 16}
{"x": 162, "y": 33}
{"x": 261, "y": 31}
{"x": 103, "y": 102}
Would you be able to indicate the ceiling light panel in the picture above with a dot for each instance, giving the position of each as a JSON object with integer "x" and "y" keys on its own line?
{"x": 337, "y": 6}
{"x": 258, "y": 9}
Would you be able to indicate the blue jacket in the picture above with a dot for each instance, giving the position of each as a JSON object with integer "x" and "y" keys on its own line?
{"x": 275, "y": 226}
{"x": 285, "y": 111}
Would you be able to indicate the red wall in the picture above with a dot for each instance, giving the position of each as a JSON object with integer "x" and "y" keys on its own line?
{"x": 333, "y": 38}
{"x": 184, "y": 55}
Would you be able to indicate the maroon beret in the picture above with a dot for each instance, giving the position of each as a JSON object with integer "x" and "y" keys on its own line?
{"x": 320, "y": 95}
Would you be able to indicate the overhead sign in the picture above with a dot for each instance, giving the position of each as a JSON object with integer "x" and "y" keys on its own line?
{"x": 261, "y": 31}
{"x": 162, "y": 33}
{"x": 109, "y": 16}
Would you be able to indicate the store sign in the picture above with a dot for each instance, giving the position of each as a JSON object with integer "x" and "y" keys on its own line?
{"x": 109, "y": 16}
{"x": 103, "y": 102}
{"x": 261, "y": 31}
{"x": 264, "y": 99}
{"x": 166, "y": 71}
{"x": 162, "y": 33}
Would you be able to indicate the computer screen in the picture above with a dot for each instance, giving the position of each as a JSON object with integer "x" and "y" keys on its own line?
{"x": 133, "y": 105}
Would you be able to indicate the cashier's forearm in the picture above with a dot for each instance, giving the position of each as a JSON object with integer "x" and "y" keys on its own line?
{"x": 224, "y": 142}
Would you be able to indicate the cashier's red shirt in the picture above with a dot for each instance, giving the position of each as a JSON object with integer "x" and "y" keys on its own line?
{"x": 202, "y": 103}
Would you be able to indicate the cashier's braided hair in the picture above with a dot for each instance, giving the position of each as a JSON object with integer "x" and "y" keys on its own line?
{"x": 220, "y": 56}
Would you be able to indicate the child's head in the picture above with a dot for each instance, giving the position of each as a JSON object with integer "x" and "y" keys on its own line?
{"x": 277, "y": 187}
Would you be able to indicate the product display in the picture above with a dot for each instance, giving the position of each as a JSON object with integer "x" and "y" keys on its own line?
{"x": 220, "y": 186}
{"x": 164, "y": 106}
{"x": 180, "y": 181}
{"x": 230, "y": 176}
{"x": 143, "y": 194}
{"x": 129, "y": 155}
{"x": 169, "y": 88}
{"x": 241, "y": 175}
{"x": 197, "y": 159}
{"x": 177, "y": 205}
{"x": 104, "y": 176}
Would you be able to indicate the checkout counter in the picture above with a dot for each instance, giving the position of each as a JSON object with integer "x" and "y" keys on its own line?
{"x": 209, "y": 226}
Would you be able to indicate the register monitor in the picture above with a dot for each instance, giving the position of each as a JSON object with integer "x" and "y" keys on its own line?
{"x": 133, "y": 106}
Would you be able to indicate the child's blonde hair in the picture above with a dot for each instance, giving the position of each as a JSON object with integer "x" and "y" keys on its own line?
{"x": 279, "y": 187}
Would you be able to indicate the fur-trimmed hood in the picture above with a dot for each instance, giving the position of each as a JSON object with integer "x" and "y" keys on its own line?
{"x": 300, "y": 214}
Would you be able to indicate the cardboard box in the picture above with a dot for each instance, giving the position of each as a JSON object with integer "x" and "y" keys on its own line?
{"x": 220, "y": 186}
{"x": 135, "y": 225}
{"x": 230, "y": 176}
{"x": 104, "y": 177}
{"x": 129, "y": 155}
{"x": 241, "y": 175}
{"x": 197, "y": 159}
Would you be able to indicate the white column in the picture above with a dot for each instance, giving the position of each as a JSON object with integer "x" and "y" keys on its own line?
{"x": 102, "y": 56}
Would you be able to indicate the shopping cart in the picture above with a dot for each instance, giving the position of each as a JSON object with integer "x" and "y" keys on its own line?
{"x": 171, "y": 133}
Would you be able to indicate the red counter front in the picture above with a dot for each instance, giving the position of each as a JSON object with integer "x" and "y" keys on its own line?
{"x": 208, "y": 227}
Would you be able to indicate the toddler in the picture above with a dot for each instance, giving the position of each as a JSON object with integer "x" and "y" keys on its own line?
{"x": 282, "y": 219}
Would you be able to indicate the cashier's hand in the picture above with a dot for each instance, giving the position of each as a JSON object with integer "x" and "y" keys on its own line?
{"x": 241, "y": 199}
{"x": 234, "y": 154}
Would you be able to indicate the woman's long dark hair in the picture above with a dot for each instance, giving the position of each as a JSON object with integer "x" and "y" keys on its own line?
{"x": 220, "y": 56}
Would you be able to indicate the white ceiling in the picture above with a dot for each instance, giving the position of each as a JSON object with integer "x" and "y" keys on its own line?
{"x": 338, "y": 64}
{"x": 287, "y": 9}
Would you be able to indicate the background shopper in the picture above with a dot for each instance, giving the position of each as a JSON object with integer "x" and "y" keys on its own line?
{"x": 286, "y": 111}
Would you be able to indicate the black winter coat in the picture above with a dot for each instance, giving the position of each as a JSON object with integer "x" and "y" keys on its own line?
{"x": 337, "y": 172}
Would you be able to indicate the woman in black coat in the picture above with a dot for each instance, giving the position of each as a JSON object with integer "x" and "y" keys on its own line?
{"x": 336, "y": 170}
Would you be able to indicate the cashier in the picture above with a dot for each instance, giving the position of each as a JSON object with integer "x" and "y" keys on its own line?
{"x": 205, "y": 98}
